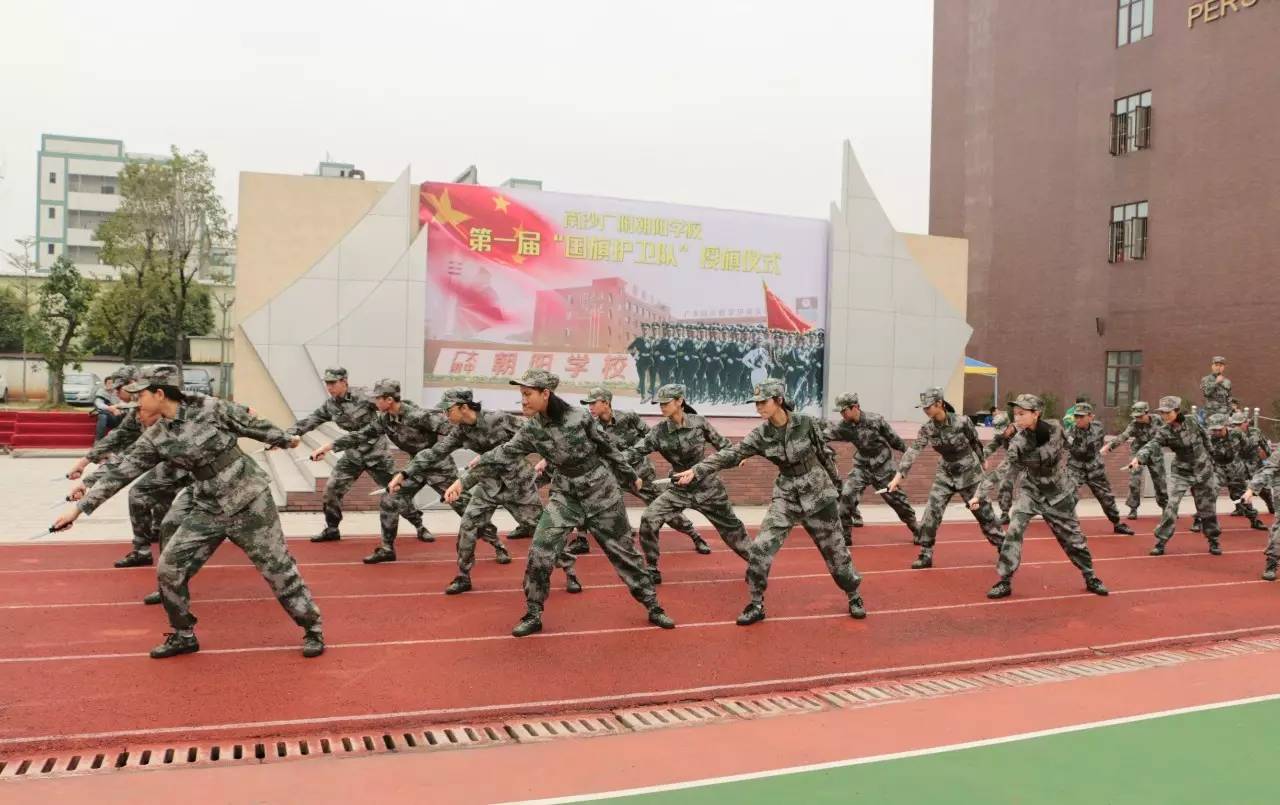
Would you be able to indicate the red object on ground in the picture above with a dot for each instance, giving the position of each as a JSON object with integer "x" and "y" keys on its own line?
{"x": 74, "y": 669}
{"x": 56, "y": 429}
{"x": 782, "y": 317}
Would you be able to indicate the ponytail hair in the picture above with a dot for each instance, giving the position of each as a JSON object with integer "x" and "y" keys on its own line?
{"x": 784, "y": 404}
{"x": 556, "y": 408}
{"x": 950, "y": 409}
{"x": 688, "y": 409}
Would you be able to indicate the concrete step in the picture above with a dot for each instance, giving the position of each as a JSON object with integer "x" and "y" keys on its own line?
{"x": 277, "y": 494}
{"x": 287, "y": 474}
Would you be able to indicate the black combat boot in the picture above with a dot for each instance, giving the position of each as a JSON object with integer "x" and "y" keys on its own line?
{"x": 1133, "y": 514}
{"x": 571, "y": 583}
{"x": 752, "y": 613}
{"x": 460, "y": 584}
{"x": 1157, "y": 549}
{"x": 134, "y": 559}
{"x": 658, "y": 617}
{"x": 1121, "y": 528}
{"x": 152, "y": 598}
{"x": 383, "y": 553}
{"x": 924, "y": 560}
{"x": 1001, "y": 589}
{"x": 182, "y": 641}
{"x": 699, "y": 544}
{"x": 312, "y": 643}
{"x": 501, "y": 555}
{"x": 856, "y": 609}
{"x": 329, "y": 534}
{"x": 1094, "y": 585}
{"x": 1215, "y": 547}
{"x": 425, "y": 535}
{"x": 531, "y": 623}
{"x": 1270, "y": 573}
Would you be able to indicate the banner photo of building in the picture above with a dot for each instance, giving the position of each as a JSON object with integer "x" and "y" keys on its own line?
{"x": 623, "y": 294}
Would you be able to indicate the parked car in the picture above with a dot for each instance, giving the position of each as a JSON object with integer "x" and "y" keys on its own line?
{"x": 78, "y": 388}
{"x": 197, "y": 381}
{"x": 4, "y": 390}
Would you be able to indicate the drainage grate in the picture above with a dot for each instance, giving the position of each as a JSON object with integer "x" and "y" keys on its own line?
{"x": 548, "y": 729}
{"x": 651, "y": 718}
{"x": 769, "y": 706}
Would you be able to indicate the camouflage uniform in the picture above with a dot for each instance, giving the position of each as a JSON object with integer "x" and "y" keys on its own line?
{"x": 1217, "y": 396}
{"x": 683, "y": 446}
{"x": 1036, "y": 457}
{"x": 804, "y": 493}
{"x": 351, "y": 412}
{"x": 998, "y": 442}
{"x": 1267, "y": 477}
{"x": 1228, "y": 449}
{"x": 1084, "y": 462}
{"x": 584, "y": 466}
{"x": 413, "y": 430}
{"x": 874, "y": 441}
{"x": 1257, "y": 450}
{"x": 625, "y": 429}
{"x": 959, "y": 471}
{"x": 1192, "y": 471}
{"x": 1139, "y": 433}
{"x": 512, "y": 488}
{"x": 230, "y": 498}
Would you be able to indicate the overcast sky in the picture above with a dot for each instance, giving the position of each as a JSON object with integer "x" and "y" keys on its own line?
{"x": 736, "y": 104}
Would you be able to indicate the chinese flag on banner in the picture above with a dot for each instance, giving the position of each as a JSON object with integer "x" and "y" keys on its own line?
{"x": 780, "y": 316}
{"x": 489, "y": 225}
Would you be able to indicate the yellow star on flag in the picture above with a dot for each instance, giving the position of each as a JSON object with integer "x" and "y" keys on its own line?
{"x": 442, "y": 209}
{"x": 500, "y": 203}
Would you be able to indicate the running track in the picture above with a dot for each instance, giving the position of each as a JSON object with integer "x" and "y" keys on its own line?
{"x": 73, "y": 639}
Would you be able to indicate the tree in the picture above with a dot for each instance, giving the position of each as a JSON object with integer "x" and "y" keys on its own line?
{"x": 13, "y": 321}
{"x": 24, "y": 263}
{"x": 110, "y": 329}
{"x": 64, "y": 302}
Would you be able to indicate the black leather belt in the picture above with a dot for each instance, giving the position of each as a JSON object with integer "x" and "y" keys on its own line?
{"x": 207, "y": 471}
{"x": 578, "y": 468}
{"x": 796, "y": 470}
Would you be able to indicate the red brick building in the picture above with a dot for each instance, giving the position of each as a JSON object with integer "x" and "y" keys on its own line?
{"x": 1114, "y": 167}
{"x": 604, "y": 316}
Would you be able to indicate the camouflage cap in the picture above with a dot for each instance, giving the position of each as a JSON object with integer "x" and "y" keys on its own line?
{"x": 334, "y": 373}
{"x": 930, "y": 396}
{"x": 1217, "y": 422}
{"x": 1218, "y": 359}
{"x": 1000, "y": 421}
{"x": 1239, "y": 418}
{"x": 669, "y": 392}
{"x": 156, "y": 374}
{"x": 598, "y": 394}
{"x": 125, "y": 374}
{"x": 1082, "y": 409}
{"x": 537, "y": 379}
{"x": 1139, "y": 409}
{"x": 1169, "y": 403}
{"x": 845, "y": 400}
{"x": 454, "y": 396}
{"x": 1027, "y": 402}
{"x": 387, "y": 387}
{"x": 768, "y": 390}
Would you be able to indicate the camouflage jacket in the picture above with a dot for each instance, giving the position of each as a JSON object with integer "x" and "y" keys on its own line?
{"x": 413, "y": 430}
{"x": 1083, "y": 446}
{"x": 583, "y": 463}
{"x": 956, "y": 440}
{"x": 998, "y": 441}
{"x": 1189, "y": 443}
{"x": 873, "y": 439}
{"x": 1266, "y": 475}
{"x": 807, "y": 473}
{"x": 1039, "y": 457}
{"x": 492, "y": 428}
{"x": 1258, "y": 448}
{"x": 625, "y": 429}
{"x": 682, "y": 446}
{"x": 120, "y": 439}
{"x": 351, "y": 413}
{"x": 200, "y": 434}
{"x": 1139, "y": 433}
{"x": 1217, "y": 396}
{"x": 1229, "y": 452}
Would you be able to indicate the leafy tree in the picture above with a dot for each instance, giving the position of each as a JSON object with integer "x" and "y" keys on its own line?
{"x": 64, "y": 301}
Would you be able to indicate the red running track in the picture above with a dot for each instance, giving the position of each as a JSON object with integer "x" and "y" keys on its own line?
{"x": 73, "y": 637}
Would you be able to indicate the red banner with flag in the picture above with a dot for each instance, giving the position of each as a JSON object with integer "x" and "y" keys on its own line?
{"x": 780, "y": 316}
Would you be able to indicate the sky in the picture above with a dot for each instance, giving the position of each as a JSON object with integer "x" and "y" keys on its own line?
{"x": 739, "y": 105}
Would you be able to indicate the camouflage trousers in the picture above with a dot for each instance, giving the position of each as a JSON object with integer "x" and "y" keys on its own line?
{"x": 191, "y": 533}
{"x": 1272, "y": 551}
{"x": 1004, "y": 496}
{"x": 612, "y": 531}
{"x": 1205, "y": 492}
{"x": 710, "y": 498}
{"x": 1061, "y": 517}
{"x": 1095, "y": 477}
{"x": 939, "y": 496}
{"x": 1157, "y": 480}
{"x": 858, "y": 479}
{"x": 648, "y": 494}
{"x": 395, "y": 505}
{"x": 150, "y": 498}
{"x": 1236, "y": 482}
{"x": 519, "y": 497}
{"x": 823, "y": 527}
{"x": 346, "y": 472}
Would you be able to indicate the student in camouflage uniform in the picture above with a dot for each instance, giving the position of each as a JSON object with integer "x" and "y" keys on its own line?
{"x": 642, "y": 350}
{"x": 1267, "y": 477}
{"x": 1192, "y": 471}
{"x": 681, "y": 439}
{"x": 1004, "y": 433}
{"x": 351, "y": 409}
{"x": 413, "y": 430}
{"x": 1228, "y": 449}
{"x": 1140, "y": 431}
{"x": 230, "y": 499}
{"x": 583, "y": 464}
{"x": 956, "y": 440}
{"x": 1084, "y": 463}
{"x": 874, "y": 441}
{"x": 512, "y": 489}
{"x": 1216, "y": 388}
{"x": 1036, "y": 454}
{"x": 804, "y": 494}
{"x": 625, "y": 428}
{"x": 1257, "y": 450}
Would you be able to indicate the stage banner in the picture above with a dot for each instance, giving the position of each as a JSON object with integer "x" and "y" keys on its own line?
{"x": 628, "y": 295}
